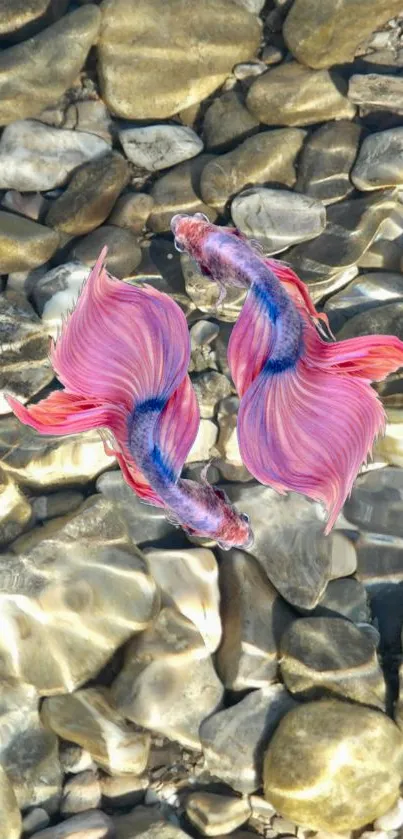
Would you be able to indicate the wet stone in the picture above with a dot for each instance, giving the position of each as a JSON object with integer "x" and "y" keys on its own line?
{"x": 122, "y": 791}
{"x": 380, "y": 160}
{"x": 146, "y": 68}
{"x": 188, "y": 580}
{"x": 268, "y": 157}
{"x": 295, "y": 95}
{"x": 80, "y": 793}
{"x": 30, "y": 206}
{"x": 326, "y": 160}
{"x": 229, "y": 461}
{"x": 34, "y": 156}
{"x": 25, "y": 366}
{"x": 42, "y": 462}
{"x": 204, "y": 442}
{"x": 155, "y": 147}
{"x": 28, "y": 753}
{"x": 204, "y": 293}
{"x": 336, "y": 249}
{"x": 277, "y": 218}
{"x": 74, "y": 759}
{"x": 377, "y": 90}
{"x": 124, "y": 253}
{"x": 90, "y": 195}
{"x": 299, "y": 569}
{"x": 254, "y": 618}
{"x": 233, "y": 740}
{"x": 214, "y": 814}
{"x": 24, "y": 244}
{"x": 93, "y": 823}
{"x": 56, "y": 292}
{"x": 321, "y": 753}
{"x": 385, "y": 320}
{"x": 210, "y": 387}
{"x": 15, "y": 510}
{"x": 346, "y": 597}
{"x": 344, "y": 556}
{"x": 393, "y": 819}
{"x": 168, "y": 683}
{"x": 26, "y": 85}
{"x": 10, "y": 816}
{"x": 227, "y": 121}
{"x": 332, "y": 37}
{"x": 178, "y": 191}
{"x": 90, "y": 115}
{"x": 368, "y": 291}
{"x": 322, "y": 656}
{"x": 23, "y": 18}
{"x": 145, "y": 823}
{"x": 132, "y": 210}
{"x": 94, "y": 588}
{"x": 88, "y": 719}
{"x": 35, "y": 820}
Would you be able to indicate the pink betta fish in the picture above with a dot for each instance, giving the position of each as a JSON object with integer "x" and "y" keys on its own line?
{"x": 308, "y": 416}
{"x": 122, "y": 357}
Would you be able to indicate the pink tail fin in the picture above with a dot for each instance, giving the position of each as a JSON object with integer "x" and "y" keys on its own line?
{"x": 310, "y": 427}
{"x": 119, "y": 347}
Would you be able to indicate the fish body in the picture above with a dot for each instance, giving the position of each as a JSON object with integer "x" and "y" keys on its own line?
{"x": 308, "y": 415}
{"x": 122, "y": 357}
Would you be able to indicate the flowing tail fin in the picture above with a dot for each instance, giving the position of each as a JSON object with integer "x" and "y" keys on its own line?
{"x": 310, "y": 427}
{"x": 120, "y": 347}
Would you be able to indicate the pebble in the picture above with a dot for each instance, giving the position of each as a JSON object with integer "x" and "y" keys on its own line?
{"x": 168, "y": 683}
{"x": 34, "y": 821}
{"x": 277, "y": 218}
{"x": 90, "y": 825}
{"x": 227, "y": 121}
{"x": 326, "y": 160}
{"x": 204, "y": 442}
{"x": 90, "y": 115}
{"x": 82, "y": 604}
{"x": 31, "y": 206}
{"x": 298, "y": 570}
{"x": 188, "y": 580}
{"x": 15, "y": 510}
{"x": 393, "y": 819}
{"x": 145, "y": 823}
{"x": 132, "y": 210}
{"x": 25, "y": 368}
{"x": 36, "y": 157}
{"x": 376, "y": 505}
{"x": 10, "y": 816}
{"x": 24, "y": 244}
{"x": 88, "y": 719}
{"x": 178, "y": 191}
{"x": 56, "y": 292}
{"x": 333, "y": 36}
{"x": 385, "y": 320}
{"x": 214, "y": 814}
{"x": 43, "y": 463}
{"x": 122, "y": 791}
{"x": 155, "y": 147}
{"x": 26, "y": 86}
{"x": 368, "y": 291}
{"x": 321, "y": 753}
{"x": 266, "y": 157}
{"x": 156, "y": 60}
{"x": 254, "y": 618}
{"x": 124, "y": 253}
{"x": 336, "y": 249}
{"x": 210, "y": 387}
{"x": 234, "y": 739}
{"x": 325, "y": 656}
{"x": 204, "y": 293}
{"x": 377, "y": 90}
{"x": 230, "y": 462}
{"x": 380, "y": 160}
{"x": 90, "y": 195}
{"x": 346, "y": 597}
{"x": 23, "y": 18}
{"x": 74, "y": 759}
{"x": 344, "y": 556}
{"x": 253, "y": 6}
{"x": 80, "y": 793}
{"x": 291, "y": 94}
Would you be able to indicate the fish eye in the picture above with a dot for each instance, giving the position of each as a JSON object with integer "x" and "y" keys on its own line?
{"x": 245, "y": 518}
{"x": 179, "y": 247}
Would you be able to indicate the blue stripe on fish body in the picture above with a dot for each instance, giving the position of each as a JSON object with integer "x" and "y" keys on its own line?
{"x": 162, "y": 465}
{"x": 279, "y": 365}
{"x": 265, "y": 301}
{"x": 153, "y": 405}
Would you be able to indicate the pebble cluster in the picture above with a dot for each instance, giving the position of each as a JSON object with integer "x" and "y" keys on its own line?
{"x": 150, "y": 687}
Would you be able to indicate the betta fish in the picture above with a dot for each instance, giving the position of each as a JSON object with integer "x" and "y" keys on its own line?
{"x": 308, "y": 416}
{"x": 122, "y": 357}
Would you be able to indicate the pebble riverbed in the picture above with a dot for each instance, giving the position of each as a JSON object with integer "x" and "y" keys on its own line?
{"x": 152, "y": 687}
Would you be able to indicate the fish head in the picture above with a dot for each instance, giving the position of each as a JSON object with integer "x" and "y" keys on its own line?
{"x": 190, "y": 233}
{"x": 235, "y": 529}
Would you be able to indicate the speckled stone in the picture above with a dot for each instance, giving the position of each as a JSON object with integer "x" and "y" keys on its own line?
{"x": 178, "y": 191}
{"x": 155, "y": 60}
{"x": 277, "y": 218}
{"x": 124, "y": 252}
{"x": 90, "y": 195}
{"x": 25, "y": 367}
{"x": 326, "y": 160}
{"x": 332, "y": 36}
{"x": 24, "y": 243}
{"x": 321, "y": 753}
{"x": 380, "y": 160}
{"x": 268, "y": 157}
{"x": 385, "y": 320}
{"x": 20, "y": 19}
{"x": 295, "y": 95}
{"x": 26, "y": 85}
{"x": 155, "y": 147}
{"x": 368, "y": 291}
{"x": 325, "y": 656}
{"x": 227, "y": 121}
{"x": 377, "y": 90}
{"x": 132, "y": 210}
